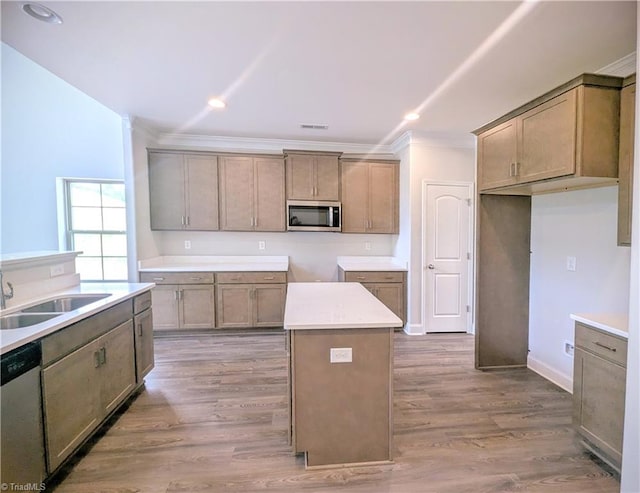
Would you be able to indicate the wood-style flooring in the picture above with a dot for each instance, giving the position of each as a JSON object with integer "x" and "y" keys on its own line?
{"x": 213, "y": 418}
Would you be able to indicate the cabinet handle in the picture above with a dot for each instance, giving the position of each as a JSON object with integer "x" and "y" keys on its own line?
{"x": 268, "y": 278}
{"x": 96, "y": 359}
{"x": 102, "y": 356}
{"x": 182, "y": 220}
{"x": 158, "y": 278}
{"x": 140, "y": 330}
{"x": 176, "y": 294}
{"x": 599, "y": 344}
{"x": 195, "y": 278}
{"x": 360, "y": 277}
{"x": 181, "y": 294}
{"x": 186, "y": 222}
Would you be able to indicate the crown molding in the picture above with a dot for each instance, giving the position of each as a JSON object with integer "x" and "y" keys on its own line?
{"x": 138, "y": 125}
{"x": 244, "y": 144}
{"x": 621, "y": 68}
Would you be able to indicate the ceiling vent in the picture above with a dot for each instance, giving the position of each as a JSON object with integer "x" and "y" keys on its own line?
{"x": 314, "y": 126}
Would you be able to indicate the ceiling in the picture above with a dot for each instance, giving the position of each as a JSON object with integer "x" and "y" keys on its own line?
{"x": 357, "y": 67}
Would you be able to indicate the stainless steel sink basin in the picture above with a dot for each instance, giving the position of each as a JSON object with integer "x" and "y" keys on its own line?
{"x": 21, "y": 320}
{"x": 65, "y": 304}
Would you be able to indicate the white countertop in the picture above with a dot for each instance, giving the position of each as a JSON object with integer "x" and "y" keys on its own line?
{"x": 614, "y": 323}
{"x": 335, "y": 305}
{"x": 13, "y": 338}
{"x": 215, "y": 263}
{"x": 371, "y": 263}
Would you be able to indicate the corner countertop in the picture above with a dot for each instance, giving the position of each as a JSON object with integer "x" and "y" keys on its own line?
{"x": 335, "y": 305}
{"x": 215, "y": 263}
{"x": 614, "y": 323}
{"x": 371, "y": 263}
{"x": 13, "y": 338}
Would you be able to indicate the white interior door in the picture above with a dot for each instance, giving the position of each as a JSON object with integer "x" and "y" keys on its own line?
{"x": 446, "y": 257}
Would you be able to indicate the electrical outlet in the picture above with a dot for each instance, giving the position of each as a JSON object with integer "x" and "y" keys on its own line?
{"x": 187, "y": 244}
{"x": 341, "y": 355}
{"x": 367, "y": 245}
{"x": 568, "y": 349}
{"x": 261, "y": 245}
{"x": 571, "y": 264}
{"x": 56, "y": 270}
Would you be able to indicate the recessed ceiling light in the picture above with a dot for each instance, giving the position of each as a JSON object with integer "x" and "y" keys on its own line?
{"x": 42, "y": 13}
{"x": 217, "y": 103}
{"x": 411, "y": 116}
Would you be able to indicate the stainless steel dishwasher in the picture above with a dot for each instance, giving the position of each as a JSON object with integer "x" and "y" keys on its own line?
{"x": 21, "y": 438}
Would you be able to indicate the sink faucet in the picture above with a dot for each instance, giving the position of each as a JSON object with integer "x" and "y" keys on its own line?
{"x": 5, "y": 296}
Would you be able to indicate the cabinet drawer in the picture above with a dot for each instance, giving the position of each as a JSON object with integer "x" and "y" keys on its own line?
{"x": 251, "y": 277}
{"x": 142, "y": 302}
{"x": 605, "y": 345}
{"x": 177, "y": 277}
{"x": 376, "y": 276}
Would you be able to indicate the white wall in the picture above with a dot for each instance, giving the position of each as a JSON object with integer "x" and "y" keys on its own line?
{"x": 49, "y": 130}
{"x": 581, "y": 224}
{"x": 431, "y": 160}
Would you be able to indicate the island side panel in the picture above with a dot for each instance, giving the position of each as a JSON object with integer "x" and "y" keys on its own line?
{"x": 343, "y": 412}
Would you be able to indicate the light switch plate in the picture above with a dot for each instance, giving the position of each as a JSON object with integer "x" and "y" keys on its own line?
{"x": 571, "y": 264}
{"x": 341, "y": 355}
{"x": 187, "y": 244}
{"x": 261, "y": 245}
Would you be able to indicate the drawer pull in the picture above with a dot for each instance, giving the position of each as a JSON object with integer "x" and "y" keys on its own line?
{"x": 140, "y": 330}
{"x": 195, "y": 278}
{"x": 158, "y": 278}
{"x": 269, "y": 278}
{"x": 599, "y": 344}
{"x": 360, "y": 277}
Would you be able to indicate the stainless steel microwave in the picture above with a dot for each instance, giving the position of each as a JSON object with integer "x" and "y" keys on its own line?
{"x": 307, "y": 215}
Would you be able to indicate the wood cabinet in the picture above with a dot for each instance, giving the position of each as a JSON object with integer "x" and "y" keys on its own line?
{"x": 599, "y": 382}
{"x": 312, "y": 175}
{"x": 625, "y": 166}
{"x": 84, "y": 387}
{"x": 182, "y": 301}
{"x": 569, "y": 134}
{"x": 370, "y": 196}
{"x": 143, "y": 335}
{"x": 251, "y": 299}
{"x": 183, "y": 191}
{"x": 388, "y": 286}
{"x": 252, "y": 193}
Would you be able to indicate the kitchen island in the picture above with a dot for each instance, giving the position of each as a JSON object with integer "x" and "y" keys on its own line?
{"x": 340, "y": 354}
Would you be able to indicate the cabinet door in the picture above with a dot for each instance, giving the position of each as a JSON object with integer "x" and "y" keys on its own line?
{"x": 166, "y": 191}
{"x": 383, "y": 198}
{"x": 117, "y": 366}
{"x": 547, "y": 139}
{"x": 269, "y": 214}
{"x": 268, "y": 303}
{"x": 236, "y": 193}
{"x": 625, "y": 167}
{"x": 300, "y": 177}
{"x": 392, "y": 295}
{"x": 355, "y": 197}
{"x": 197, "y": 307}
{"x": 143, "y": 326}
{"x": 165, "y": 307}
{"x": 201, "y": 193}
{"x": 598, "y": 402}
{"x": 234, "y": 305}
{"x": 72, "y": 403}
{"x": 497, "y": 156}
{"x": 327, "y": 178}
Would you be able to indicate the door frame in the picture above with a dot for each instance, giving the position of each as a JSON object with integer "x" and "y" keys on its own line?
{"x": 471, "y": 249}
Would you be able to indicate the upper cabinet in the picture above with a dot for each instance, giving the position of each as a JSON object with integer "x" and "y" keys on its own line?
{"x": 370, "y": 196}
{"x": 252, "y": 193}
{"x": 625, "y": 167}
{"x": 565, "y": 139}
{"x": 183, "y": 191}
{"x": 313, "y": 175}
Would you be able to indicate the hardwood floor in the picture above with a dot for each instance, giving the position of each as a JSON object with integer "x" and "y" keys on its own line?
{"x": 213, "y": 418}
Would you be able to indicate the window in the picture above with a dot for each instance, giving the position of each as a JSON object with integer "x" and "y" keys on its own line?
{"x": 96, "y": 225}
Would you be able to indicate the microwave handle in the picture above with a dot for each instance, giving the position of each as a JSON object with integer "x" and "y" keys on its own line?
{"x": 331, "y": 217}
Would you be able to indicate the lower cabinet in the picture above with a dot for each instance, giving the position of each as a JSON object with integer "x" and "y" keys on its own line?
{"x": 82, "y": 388}
{"x": 388, "y": 286}
{"x": 599, "y": 380}
{"x": 251, "y": 299}
{"x": 143, "y": 337}
{"x": 182, "y": 301}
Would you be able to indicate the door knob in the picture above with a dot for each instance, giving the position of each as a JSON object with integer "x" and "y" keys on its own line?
{"x": 431, "y": 266}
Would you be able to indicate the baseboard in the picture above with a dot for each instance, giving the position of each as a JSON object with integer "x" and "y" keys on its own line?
{"x": 414, "y": 329}
{"x": 551, "y": 374}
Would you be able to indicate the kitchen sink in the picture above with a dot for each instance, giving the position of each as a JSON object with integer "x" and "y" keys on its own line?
{"x": 21, "y": 320}
{"x": 64, "y": 304}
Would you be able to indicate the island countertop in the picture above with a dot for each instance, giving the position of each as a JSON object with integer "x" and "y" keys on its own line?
{"x": 334, "y": 305}
{"x": 614, "y": 323}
